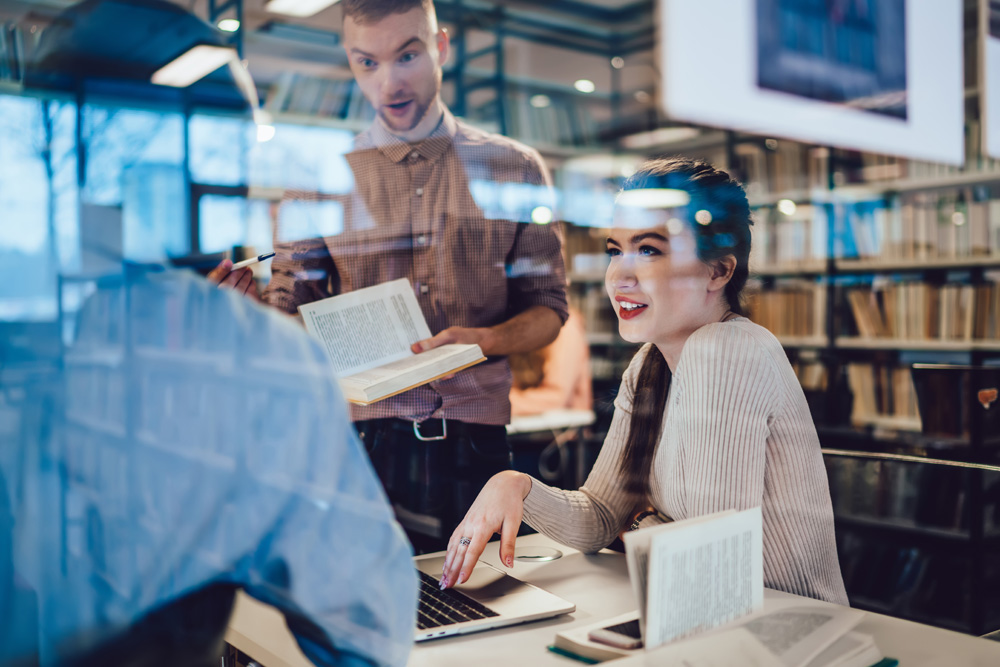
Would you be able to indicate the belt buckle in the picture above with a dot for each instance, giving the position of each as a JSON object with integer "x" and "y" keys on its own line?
{"x": 423, "y": 438}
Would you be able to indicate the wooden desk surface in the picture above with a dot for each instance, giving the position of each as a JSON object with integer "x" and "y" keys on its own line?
{"x": 598, "y": 585}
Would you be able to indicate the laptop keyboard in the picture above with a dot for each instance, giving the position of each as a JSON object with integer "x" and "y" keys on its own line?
{"x": 437, "y": 608}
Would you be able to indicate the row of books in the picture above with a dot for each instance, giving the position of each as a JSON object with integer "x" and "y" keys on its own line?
{"x": 921, "y": 311}
{"x": 562, "y": 120}
{"x": 853, "y": 167}
{"x": 787, "y": 241}
{"x": 923, "y": 225}
{"x": 315, "y": 96}
{"x": 794, "y": 308}
{"x": 883, "y": 396}
{"x": 812, "y": 375}
{"x": 780, "y": 166}
{"x": 777, "y": 166}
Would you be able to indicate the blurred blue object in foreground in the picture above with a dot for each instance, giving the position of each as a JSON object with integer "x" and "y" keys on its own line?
{"x": 188, "y": 443}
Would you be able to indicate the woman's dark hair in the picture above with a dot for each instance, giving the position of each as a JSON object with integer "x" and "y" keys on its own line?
{"x": 728, "y": 233}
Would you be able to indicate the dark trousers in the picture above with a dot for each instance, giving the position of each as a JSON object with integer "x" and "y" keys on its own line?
{"x": 432, "y": 483}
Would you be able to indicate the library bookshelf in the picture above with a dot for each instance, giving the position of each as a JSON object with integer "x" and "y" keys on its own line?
{"x": 899, "y": 272}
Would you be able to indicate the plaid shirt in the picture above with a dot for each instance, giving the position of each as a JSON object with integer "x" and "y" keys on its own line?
{"x": 450, "y": 213}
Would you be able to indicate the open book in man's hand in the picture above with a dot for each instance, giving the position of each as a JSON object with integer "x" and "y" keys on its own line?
{"x": 367, "y": 334}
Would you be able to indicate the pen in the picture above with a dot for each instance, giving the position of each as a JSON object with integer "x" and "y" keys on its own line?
{"x": 250, "y": 262}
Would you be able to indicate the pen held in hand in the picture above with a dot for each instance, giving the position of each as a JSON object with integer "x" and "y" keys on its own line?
{"x": 250, "y": 262}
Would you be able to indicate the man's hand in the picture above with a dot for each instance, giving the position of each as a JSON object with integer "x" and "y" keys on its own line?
{"x": 481, "y": 336}
{"x": 242, "y": 280}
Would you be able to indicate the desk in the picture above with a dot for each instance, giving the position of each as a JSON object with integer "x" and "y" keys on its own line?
{"x": 553, "y": 420}
{"x": 599, "y": 586}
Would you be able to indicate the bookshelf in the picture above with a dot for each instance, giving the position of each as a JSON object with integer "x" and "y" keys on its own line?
{"x": 908, "y": 265}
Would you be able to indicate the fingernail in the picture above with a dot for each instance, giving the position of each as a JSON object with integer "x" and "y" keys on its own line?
{"x": 510, "y": 561}
{"x": 444, "y": 583}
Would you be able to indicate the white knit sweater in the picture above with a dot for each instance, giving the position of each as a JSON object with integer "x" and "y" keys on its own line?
{"x": 737, "y": 433}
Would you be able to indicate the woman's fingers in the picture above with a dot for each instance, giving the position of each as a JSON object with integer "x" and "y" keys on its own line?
{"x": 508, "y": 537}
{"x": 472, "y": 553}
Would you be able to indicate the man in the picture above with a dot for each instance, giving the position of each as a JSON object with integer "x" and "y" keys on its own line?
{"x": 445, "y": 205}
{"x": 189, "y": 444}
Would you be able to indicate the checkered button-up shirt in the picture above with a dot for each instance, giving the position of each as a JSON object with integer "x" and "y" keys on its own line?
{"x": 451, "y": 213}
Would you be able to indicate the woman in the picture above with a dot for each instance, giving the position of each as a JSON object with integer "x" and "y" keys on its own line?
{"x": 709, "y": 416}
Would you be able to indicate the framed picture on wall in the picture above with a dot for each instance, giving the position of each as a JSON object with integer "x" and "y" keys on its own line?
{"x": 876, "y": 75}
{"x": 989, "y": 75}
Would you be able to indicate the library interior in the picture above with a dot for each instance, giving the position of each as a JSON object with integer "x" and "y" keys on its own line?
{"x": 295, "y": 292}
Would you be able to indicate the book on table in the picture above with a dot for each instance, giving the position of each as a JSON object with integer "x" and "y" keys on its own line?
{"x": 367, "y": 334}
{"x": 699, "y": 585}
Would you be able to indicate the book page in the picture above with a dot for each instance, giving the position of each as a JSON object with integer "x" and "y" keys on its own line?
{"x": 637, "y": 558}
{"x": 704, "y": 575}
{"x": 797, "y": 634}
{"x": 732, "y": 648}
{"x": 367, "y": 327}
{"x": 637, "y": 546}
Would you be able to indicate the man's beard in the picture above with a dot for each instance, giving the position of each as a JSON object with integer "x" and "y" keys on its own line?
{"x": 419, "y": 111}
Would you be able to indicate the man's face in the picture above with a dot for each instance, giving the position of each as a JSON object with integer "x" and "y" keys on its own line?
{"x": 397, "y": 64}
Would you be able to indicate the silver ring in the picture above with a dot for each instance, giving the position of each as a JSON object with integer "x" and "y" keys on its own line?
{"x": 465, "y": 540}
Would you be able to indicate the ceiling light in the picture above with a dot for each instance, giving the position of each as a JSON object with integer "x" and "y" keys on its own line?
{"x": 265, "y": 125}
{"x": 298, "y": 7}
{"x": 229, "y": 25}
{"x": 194, "y": 64}
{"x": 585, "y": 85}
{"x": 618, "y": 62}
{"x": 787, "y": 206}
{"x": 653, "y": 198}
{"x": 541, "y": 215}
{"x": 664, "y": 135}
{"x": 703, "y": 217}
{"x": 265, "y": 133}
{"x": 540, "y": 101}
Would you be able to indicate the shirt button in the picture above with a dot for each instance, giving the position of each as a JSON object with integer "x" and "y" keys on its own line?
{"x": 420, "y": 192}
{"x": 414, "y": 156}
{"x": 421, "y": 240}
{"x": 424, "y": 289}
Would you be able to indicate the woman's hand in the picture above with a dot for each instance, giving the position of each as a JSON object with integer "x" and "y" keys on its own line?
{"x": 498, "y": 509}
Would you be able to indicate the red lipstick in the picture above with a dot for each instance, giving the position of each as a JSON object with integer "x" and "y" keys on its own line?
{"x": 628, "y": 313}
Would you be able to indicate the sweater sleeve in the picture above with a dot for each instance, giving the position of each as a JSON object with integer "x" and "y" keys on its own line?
{"x": 590, "y": 519}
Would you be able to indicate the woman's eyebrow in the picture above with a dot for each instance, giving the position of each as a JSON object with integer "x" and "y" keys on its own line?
{"x": 648, "y": 235}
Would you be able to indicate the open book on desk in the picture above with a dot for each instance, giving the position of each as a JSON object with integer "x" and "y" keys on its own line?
{"x": 704, "y": 576}
{"x": 367, "y": 335}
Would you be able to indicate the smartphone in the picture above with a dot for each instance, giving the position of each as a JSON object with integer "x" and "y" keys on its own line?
{"x": 623, "y": 635}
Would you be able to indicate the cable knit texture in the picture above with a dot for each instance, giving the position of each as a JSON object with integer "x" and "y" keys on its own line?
{"x": 737, "y": 433}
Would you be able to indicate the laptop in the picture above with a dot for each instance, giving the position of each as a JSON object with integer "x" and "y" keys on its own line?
{"x": 489, "y": 599}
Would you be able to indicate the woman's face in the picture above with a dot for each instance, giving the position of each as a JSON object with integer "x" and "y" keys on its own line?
{"x": 657, "y": 284}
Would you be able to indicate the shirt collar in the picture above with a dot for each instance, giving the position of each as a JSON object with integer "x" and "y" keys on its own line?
{"x": 430, "y": 148}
